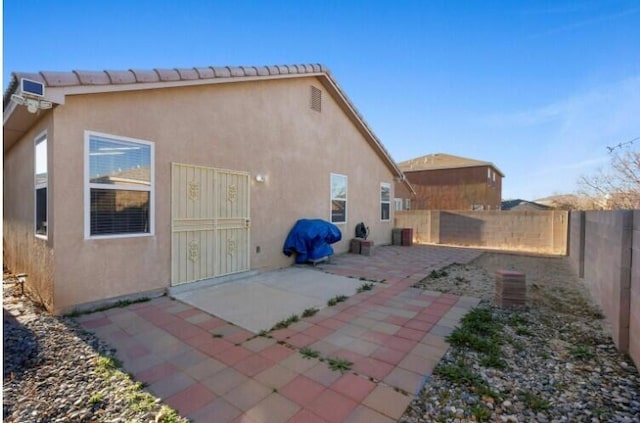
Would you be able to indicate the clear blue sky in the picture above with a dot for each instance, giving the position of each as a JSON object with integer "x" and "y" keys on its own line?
{"x": 540, "y": 88}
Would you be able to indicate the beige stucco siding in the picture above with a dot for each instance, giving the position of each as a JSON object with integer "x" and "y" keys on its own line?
{"x": 23, "y": 252}
{"x": 258, "y": 127}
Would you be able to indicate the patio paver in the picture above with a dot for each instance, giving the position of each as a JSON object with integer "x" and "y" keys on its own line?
{"x": 211, "y": 370}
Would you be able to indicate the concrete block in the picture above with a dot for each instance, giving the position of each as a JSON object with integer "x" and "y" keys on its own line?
{"x": 366, "y": 247}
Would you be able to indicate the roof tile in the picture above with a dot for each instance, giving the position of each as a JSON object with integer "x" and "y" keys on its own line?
{"x": 187, "y": 74}
{"x": 282, "y": 69}
{"x": 236, "y": 71}
{"x": 168, "y": 74}
{"x": 273, "y": 70}
{"x": 249, "y": 70}
{"x": 205, "y": 73}
{"x": 221, "y": 72}
{"x": 93, "y": 77}
{"x": 121, "y": 77}
{"x": 262, "y": 71}
{"x": 60, "y": 79}
{"x": 145, "y": 75}
{"x": 28, "y": 75}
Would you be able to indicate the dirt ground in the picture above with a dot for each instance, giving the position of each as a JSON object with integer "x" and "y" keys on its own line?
{"x": 551, "y": 284}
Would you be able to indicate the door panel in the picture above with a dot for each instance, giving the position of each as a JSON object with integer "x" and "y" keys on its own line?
{"x": 209, "y": 223}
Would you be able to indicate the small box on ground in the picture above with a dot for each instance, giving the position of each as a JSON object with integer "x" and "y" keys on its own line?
{"x": 355, "y": 245}
{"x": 511, "y": 288}
{"x": 407, "y": 237}
{"x": 396, "y": 236}
{"x": 366, "y": 247}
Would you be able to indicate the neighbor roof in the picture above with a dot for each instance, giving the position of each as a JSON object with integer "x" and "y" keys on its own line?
{"x": 442, "y": 161}
{"x": 61, "y": 84}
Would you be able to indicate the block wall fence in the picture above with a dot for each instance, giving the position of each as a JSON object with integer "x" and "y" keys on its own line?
{"x": 604, "y": 250}
{"x": 543, "y": 232}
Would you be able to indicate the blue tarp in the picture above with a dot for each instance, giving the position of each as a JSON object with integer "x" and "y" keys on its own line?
{"x": 310, "y": 239}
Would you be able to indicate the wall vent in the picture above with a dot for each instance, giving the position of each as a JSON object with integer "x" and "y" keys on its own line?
{"x": 316, "y": 99}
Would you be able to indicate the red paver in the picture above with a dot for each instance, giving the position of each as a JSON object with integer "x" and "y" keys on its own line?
{"x": 331, "y": 323}
{"x": 232, "y": 355}
{"x": 401, "y": 344}
{"x": 218, "y": 411}
{"x": 373, "y": 367}
{"x": 96, "y": 323}
{"x": 318, "y": 332}
{"x": 302, "y": 390}
{"x": 414, "y": 334}
{"x": 389, "y": 355}
{"x": 306, "y": 416}
{"x": 301, "y": 340}
{"x": 155, "y": 373}
{"x": 355, "y": 387}
{"x": 253, "y": 364}
{"x": 191, "y": 399}
{"x": 332, "y": 406}
{"x": 276, "y": 352}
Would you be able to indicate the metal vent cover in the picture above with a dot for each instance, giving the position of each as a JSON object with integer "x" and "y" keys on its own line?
{"x": 316, "y": 99}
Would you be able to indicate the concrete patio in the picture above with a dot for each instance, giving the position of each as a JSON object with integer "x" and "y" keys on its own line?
{"x": 212, "y": 370}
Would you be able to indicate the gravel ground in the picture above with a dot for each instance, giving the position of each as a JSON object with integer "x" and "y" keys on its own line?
{"x": 560, "y": 364}
{"x": 53, "y": 371}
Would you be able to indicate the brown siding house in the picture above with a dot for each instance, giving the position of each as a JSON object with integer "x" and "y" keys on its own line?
{"x": 446, "y": 182}
{"x": 140, "y": 180}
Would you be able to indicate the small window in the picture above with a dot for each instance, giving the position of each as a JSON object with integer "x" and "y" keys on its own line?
{"x": 119, "y": 186}
{"x": 41, "y": 186}
{"x": 338, "y": 198}
{"x": 494, "y": 176}
{"x": 407, "y": 203}
{"x": 398, "y": 204}
{"x": 385, "y": 201}
{"x": 489, "y": 174}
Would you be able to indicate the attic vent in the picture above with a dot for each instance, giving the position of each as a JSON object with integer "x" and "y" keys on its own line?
{"x": 316, "y": 99}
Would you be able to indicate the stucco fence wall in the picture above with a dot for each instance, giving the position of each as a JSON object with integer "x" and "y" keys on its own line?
{"x": 528, "y": 231}
{"x": 605, "y": 251}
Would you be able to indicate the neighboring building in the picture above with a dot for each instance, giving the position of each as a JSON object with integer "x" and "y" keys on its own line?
{"x": 523, "y": 205}
{"x": 139, "y": 180}
{"x": 446, "y": 182}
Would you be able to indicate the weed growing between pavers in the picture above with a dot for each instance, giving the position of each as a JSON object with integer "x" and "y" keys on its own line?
{"x": 308, "y": 312}
{"x": 364, "y": 287}
{"x": 309, "y": 353}
{"x": 283, "y": 324}
{"x": 339, "y": 364}
{"x": 137, "y": 399}
{"x": 337, "y": 299}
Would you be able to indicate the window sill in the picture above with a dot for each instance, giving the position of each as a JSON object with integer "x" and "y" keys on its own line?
{"x": 120, "y": 236}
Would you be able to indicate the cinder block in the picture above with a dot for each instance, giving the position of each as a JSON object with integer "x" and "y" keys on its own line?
{"x": 511, "y": 288}
{"x": 355, "y": 245}
{"x": 366, "y": 247}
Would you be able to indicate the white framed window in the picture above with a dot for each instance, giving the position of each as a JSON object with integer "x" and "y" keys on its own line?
{"x": 398, "y": 204}
{"x": 41, "y": 186}
{"x": 339, "y": 187}
{"x": 407, "y": 203}
{"x": 385, "y": 201}
{"x": 119, "y": 186}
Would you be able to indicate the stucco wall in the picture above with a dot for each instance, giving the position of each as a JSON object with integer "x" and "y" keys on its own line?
{"x": 533, "y": 231}
{"x": 23, "y": 252}
{"x": 259, "y": 127}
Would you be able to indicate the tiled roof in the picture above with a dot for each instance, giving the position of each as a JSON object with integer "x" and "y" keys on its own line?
{"x": 442, "y": 161}
{"x": 133, "y": 76}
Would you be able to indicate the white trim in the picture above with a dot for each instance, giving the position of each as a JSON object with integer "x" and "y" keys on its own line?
{"x": 346, "y": 200}
{"x": 42, "y": 136}
{"x": 387, "y": 184}
{"x": 88, "y": 185}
